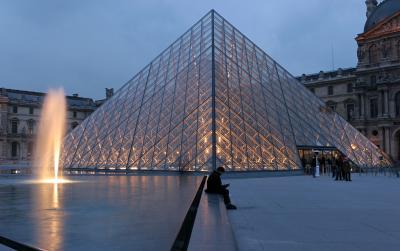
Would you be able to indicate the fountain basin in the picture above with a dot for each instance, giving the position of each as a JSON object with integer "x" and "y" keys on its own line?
{"x": 110, "y": 212}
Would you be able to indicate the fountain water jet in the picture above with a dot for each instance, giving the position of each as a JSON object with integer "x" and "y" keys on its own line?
{"x": 49, "y": 137}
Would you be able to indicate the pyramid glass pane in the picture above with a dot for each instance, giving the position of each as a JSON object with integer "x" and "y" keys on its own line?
{"x": 211, "y": 98}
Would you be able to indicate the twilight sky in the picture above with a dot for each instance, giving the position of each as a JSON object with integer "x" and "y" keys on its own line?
{"x": 87, "y": 45}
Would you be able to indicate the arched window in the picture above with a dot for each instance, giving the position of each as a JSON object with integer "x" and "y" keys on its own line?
{"x": 373, "y": 54}
{"x": 14, "y": 149}
{"x": 397, "y": 102}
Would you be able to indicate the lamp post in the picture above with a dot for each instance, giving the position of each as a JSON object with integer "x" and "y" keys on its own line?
{"x": 316, "y": 172}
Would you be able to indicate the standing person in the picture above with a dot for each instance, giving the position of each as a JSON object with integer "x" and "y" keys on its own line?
{"x": 322, "y": 164}
{"x": 328, "y": 164}
{"x": 339, "y": 168}
{"x": 314, "y": 165}
{"x": 347, "y": 169}
{"x": 214, "y": 185}
{"x": 333, "y": 167}
{"x": 344, "y": 168}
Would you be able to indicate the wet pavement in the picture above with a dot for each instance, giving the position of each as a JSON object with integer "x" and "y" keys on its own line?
{"x": 106, "y": 212}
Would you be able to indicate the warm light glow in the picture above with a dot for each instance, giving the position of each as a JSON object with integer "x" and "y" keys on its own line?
{"x": 353, "y": 146}
{"x": 54, "y": 181}
{"x": 50, "y": 135}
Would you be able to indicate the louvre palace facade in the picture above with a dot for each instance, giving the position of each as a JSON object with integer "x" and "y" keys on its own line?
{"x": 368, "y": 95}
{"x": 19, "y": 118}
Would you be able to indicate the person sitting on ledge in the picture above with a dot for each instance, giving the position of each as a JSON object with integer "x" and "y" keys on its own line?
{"x": 214, "y": 185}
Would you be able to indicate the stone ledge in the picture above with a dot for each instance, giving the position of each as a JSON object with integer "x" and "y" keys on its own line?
{"x": 212, "y": 229}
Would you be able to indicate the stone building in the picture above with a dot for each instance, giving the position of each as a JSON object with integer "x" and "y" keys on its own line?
{"x": 19, "y": 117}
{"x": 368, "y": 95}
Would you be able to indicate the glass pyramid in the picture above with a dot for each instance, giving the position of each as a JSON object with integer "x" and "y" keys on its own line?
{"x": 211, "y": 98}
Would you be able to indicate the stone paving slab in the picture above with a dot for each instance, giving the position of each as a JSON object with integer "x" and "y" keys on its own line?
{"x": 303, "y": 213}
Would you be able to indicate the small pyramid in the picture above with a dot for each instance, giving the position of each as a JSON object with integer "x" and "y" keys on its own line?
{"x": 212, "y": 98}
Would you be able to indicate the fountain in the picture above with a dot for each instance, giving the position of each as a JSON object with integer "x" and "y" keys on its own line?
{"x": 50, "y": 135}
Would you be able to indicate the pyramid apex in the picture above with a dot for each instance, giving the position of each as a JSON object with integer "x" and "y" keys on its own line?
{"x": 213, "y": 11}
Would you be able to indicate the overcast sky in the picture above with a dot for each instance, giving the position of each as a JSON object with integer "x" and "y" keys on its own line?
{"x": 87, "y": 45}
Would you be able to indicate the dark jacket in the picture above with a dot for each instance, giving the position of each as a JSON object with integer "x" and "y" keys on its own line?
{"x": 346, "y": 166}
{"x": 214, "y": 183}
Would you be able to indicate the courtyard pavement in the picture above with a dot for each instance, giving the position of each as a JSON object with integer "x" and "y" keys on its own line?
{"x": 303, "y": 213}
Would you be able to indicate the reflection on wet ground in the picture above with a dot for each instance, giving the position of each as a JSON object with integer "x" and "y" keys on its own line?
{"x": 107, "y": 212}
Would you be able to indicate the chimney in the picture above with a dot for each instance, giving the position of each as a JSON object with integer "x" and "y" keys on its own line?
{"x": 321, "y": 75}
{"x": 371, "y": 6}
{"x": 109, "y": 92}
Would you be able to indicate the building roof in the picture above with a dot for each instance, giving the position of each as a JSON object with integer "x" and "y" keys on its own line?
{"x": 328, "y": 75}
{"x": 384, "y": 10}
{"x": 36, "y": 99}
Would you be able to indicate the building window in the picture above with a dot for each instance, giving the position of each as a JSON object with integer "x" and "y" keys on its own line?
{"x": 31, "y": 110}
{"x": 350, "y": 111}
{"x": 15, "y": 109}
{"x": 332, "y": 107}
{"x": 74, "y": 124}
{"x": 14, "y": 149}
{"x": 373, "y": 54}
{"x": 397, "y": 101}
{"x": 30, "y": 149}
{"x": 74, "y": 114}
{"x": 373, "y": 79}
{"x": 398, "y": 49}
{"x": 312, "y": 90}
{"x": 14, "y": 126}
{"x": 330, "y": 90}
{"x": 31, "y": 126}
{"x": 373, "y": 106}
{"x": 349, "y": 88}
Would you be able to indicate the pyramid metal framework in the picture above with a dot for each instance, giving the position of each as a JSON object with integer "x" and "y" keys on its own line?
{"x": 211, "y": 98}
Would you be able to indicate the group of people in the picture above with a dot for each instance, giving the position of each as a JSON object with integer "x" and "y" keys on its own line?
{"x": 342, "y": 169}
{"x": 339, "y": 165}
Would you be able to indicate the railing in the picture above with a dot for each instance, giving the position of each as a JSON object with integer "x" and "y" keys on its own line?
{"x": 382, "y": 170}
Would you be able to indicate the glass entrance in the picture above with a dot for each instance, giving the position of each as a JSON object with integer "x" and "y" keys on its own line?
{"x": 327, "y": 159}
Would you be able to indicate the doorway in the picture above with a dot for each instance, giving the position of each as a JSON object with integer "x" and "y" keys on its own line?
{"x": 327, "y": 158}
